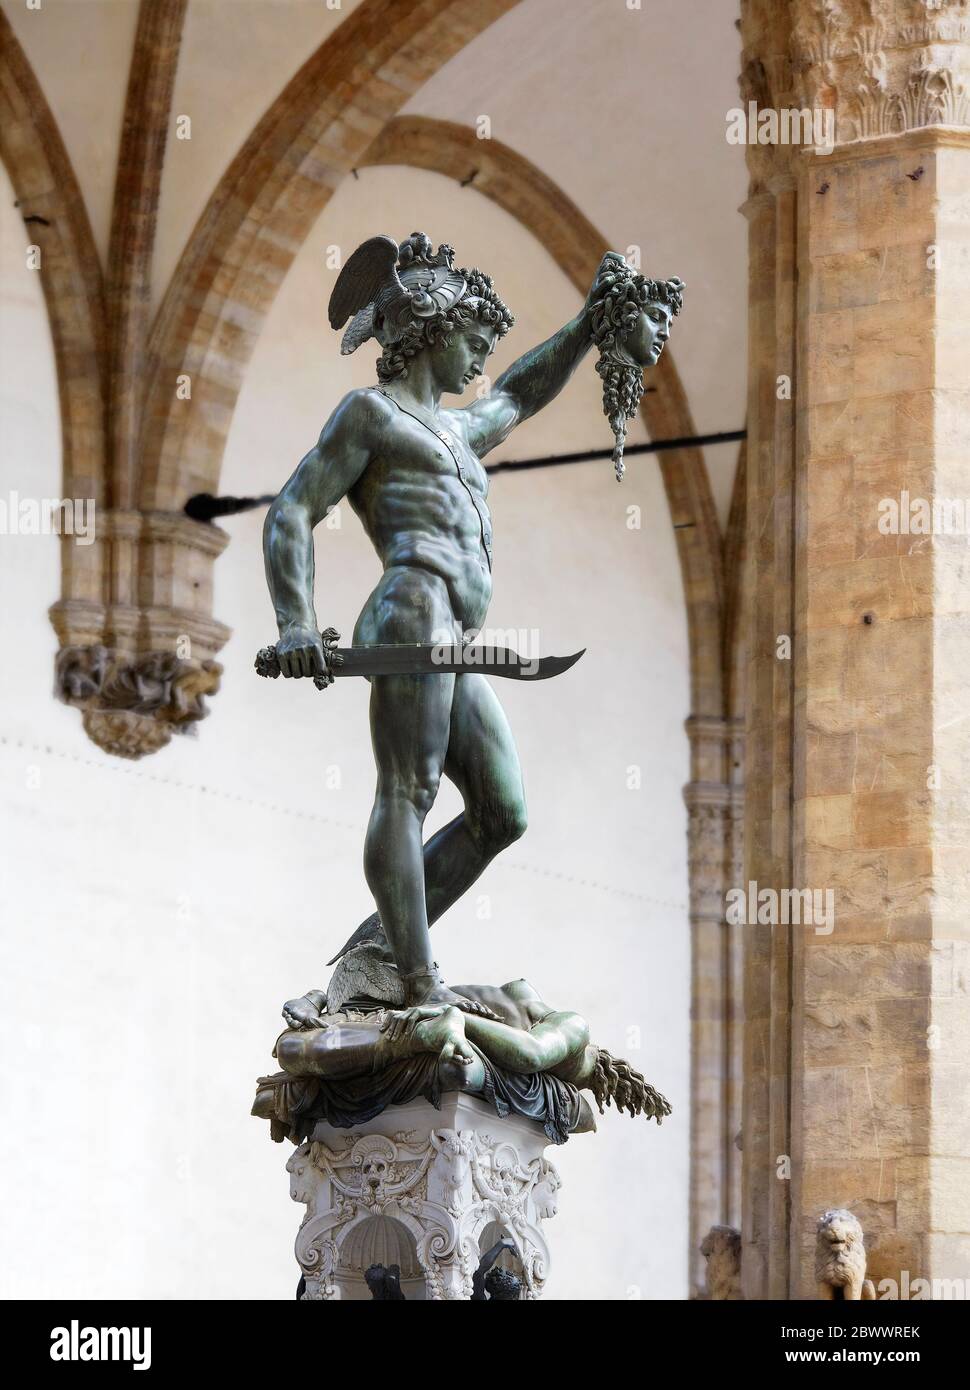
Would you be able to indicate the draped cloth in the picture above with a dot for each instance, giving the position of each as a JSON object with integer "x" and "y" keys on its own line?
{"x": 295, "y": 1104}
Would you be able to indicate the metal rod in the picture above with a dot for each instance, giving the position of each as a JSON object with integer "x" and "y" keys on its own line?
{"x": 203, "y": 507}
{"x": 654, "y": 447}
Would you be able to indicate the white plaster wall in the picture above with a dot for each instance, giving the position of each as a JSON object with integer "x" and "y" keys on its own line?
{"x": 624, "y": 107}
{"x": 80, "y": 51}
{"x": 156, "y": 911}
{"x": 235, "y": 60}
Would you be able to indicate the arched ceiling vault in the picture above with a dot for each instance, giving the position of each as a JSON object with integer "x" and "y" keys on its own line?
{"x": 47, "y": 191}
{"x": 316, "y": 131}
{"x": 337, "y": 113}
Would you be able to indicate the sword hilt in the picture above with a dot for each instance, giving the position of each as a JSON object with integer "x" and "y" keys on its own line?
{"x": 267, "y": 661}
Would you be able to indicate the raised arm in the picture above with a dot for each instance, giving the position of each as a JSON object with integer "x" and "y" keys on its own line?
{"x": 532, "y": 381}
{"x": 323, "y": 477}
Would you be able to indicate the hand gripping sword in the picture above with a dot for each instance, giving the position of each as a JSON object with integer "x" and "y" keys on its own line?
{"x": 421, "y": 659}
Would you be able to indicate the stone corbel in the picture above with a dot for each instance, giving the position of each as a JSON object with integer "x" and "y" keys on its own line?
{"x": 137, "y": 639}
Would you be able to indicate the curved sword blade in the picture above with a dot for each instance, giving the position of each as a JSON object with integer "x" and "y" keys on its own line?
{"x": 430, "y": 658}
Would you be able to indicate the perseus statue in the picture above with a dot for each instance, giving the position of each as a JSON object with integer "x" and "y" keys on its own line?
{"x": 411, "y": 469}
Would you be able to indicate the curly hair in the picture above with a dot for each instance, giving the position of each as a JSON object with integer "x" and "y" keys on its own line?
{"x": 620, "y": 297}
{"x": 614, "y": 1080}
{"x": 478, "y": 304}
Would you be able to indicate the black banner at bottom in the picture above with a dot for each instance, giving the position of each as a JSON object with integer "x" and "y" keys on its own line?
{"x": 221, "y": 1339}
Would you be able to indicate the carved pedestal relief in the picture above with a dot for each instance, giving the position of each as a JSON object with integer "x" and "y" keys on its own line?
{"x": 430, "y": 1200}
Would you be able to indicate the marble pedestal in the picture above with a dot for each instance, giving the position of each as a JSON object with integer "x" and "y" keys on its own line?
{"x": 428, "y": 1190}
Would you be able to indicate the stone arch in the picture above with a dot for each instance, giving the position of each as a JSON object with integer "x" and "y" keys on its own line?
{"x": 128, "y": 599}
{"x": 47, "y": 189}
{"x": 259, "y": 215}
{"x": 380, "y": 1239}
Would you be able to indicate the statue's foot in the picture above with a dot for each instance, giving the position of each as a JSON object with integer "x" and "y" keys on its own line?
{"x": 435, "y": 1028}
{"x": 426, "y": 987}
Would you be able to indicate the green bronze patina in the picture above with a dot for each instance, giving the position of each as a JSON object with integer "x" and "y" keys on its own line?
{"x": 411, "y": 469}
{"x": 344, "y": 1065}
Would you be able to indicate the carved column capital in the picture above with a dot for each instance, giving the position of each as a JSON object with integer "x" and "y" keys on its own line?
{"x": 765, "y": 82}
{"x": 883, "y": 66}
{"x": 855, "y": 69}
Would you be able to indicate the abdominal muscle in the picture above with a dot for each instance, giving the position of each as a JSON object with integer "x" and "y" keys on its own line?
{"x": 428, "y": 585}
{"x": 428, "y": 534}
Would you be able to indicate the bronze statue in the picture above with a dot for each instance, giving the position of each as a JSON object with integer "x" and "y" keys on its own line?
{"x": 499, "y": 1283}
{"x": 346, "y": 1059}
{"x": 411, "y": 470}
{"x": 384, "y": 1282}
{"x": 630, "y": 324}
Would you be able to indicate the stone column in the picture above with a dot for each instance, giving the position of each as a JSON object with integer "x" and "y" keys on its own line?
{"x": 770, "y": 210}
{"x": 858, "y": 776}
{"x": 713, "y": 800}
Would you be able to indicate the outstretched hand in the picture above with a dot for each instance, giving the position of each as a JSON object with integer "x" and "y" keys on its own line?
{"x": 399, "y": 1024}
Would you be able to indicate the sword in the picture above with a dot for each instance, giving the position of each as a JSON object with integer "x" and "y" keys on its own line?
{"x": 420, "y": 659}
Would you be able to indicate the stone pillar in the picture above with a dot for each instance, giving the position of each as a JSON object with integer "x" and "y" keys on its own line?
{"x": 713, "y": 800}
{"x": 428, "y": 1190}
{"x": 858, "y": 761}
{"x": 770, "y": 210}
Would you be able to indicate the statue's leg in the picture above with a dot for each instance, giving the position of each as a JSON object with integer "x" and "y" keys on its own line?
{"x": 410, "y": 719}
{"x": 483, "y": 763}
{"x": 409, "y": 727}
{"x": 337, "y": 1051}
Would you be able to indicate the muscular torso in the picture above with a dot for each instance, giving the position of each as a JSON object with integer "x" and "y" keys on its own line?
{"x": 422, "y": 510}
{"x": 515, "y": 1003}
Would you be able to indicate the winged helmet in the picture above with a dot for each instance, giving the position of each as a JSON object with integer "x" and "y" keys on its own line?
{"x": 383, "y": 287}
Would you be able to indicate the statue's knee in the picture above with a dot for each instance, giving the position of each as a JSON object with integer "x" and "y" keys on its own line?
{"x": 418, "y": 792}
{"x": 502, "y": 826}
{"x": 422, "y": 795}
{"x": 291, "y": 1053}
{"x": 518, "y": 822}
{"x": 460, "y": 1076}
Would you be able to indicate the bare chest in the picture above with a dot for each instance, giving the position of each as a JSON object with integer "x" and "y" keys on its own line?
{"x": 416, "y": 447}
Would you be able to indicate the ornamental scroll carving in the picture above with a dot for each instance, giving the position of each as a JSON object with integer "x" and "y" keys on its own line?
{"x": 437, "y": 1192}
